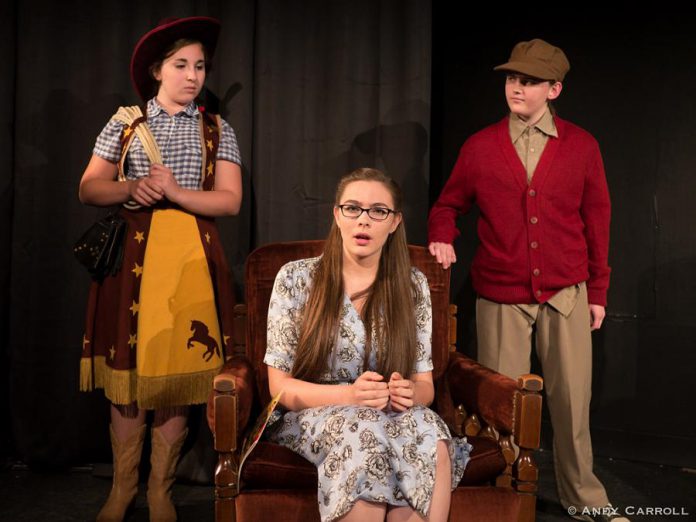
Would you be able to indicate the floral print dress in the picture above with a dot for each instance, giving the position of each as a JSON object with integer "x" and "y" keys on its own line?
{"x": 361, "y": 453}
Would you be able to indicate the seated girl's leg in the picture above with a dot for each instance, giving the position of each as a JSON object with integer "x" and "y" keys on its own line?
{"x": 363, "y": 511}
{"x": 442, "y": 493}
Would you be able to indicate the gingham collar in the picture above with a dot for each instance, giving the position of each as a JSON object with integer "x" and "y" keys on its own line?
{"x": 154, "y": 108}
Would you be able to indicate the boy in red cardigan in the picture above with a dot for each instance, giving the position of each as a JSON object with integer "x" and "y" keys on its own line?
{"x": 542, "y": 260}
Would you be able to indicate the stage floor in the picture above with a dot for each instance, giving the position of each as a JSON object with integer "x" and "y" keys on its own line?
{"x": 76, "y": 495}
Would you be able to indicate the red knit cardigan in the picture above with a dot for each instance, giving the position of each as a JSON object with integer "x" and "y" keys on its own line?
{"x": 534, "y": 239}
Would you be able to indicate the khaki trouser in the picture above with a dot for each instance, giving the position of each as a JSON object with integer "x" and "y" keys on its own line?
{"x": 564, "y": 348}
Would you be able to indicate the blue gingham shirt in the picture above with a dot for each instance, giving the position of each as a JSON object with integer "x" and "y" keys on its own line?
{"x": 179, "y": 140}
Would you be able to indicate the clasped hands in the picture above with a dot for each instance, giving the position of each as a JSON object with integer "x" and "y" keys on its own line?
{"x": 370, "y": 390}
{"x": 159, "y": 184}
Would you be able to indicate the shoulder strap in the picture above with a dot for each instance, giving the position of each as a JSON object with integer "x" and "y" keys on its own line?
{"x": 210, "y": 130}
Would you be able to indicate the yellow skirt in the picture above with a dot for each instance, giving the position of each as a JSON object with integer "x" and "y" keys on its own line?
{"x": 163, "y": 346}
{"x": 179, "y": 344}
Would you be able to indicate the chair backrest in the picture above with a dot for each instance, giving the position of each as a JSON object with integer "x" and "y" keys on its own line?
{"x": 263, "y": 265}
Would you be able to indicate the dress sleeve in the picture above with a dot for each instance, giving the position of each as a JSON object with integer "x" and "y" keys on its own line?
{"x": 228, "y": 149}
{"x": 424, "y": 323}
{"x": 283, "y": 321}
{"x": 108, "y": 145}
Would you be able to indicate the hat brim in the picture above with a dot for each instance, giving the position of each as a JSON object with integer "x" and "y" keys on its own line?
{"x": 529, "y": 69}
{"x": 154, "y": 43}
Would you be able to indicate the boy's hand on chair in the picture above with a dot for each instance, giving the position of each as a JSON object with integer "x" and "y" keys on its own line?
{"x": 444, "y": 253}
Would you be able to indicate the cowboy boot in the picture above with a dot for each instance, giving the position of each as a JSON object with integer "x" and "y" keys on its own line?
{"x": 164, "y": 458}
{"x": 125, "y": 483}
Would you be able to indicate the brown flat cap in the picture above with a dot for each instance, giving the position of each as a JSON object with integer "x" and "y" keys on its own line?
{"x": 538, "y": 59}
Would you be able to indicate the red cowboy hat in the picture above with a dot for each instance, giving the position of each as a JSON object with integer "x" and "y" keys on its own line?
{"x": 154, "y": 43}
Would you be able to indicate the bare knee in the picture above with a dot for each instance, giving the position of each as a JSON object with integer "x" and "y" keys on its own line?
{"x": 177, "y": 414}
{"x": 127, "y": 411}
{"x": 364, "y": 511}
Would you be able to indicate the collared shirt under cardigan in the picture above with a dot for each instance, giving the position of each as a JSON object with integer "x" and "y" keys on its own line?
{"x": 178, "y": 138}
{"x": 529, "y": 142}
{"x": 536, "y": 237}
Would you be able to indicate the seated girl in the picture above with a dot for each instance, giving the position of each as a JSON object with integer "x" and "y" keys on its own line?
{"x": 349, "y": 337}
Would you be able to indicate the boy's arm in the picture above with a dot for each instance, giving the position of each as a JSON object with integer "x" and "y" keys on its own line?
{"x": 456, "y": 198}
{"x": 596, "y": 214}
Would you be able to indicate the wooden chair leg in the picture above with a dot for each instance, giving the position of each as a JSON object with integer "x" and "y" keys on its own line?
{"x": 526, "y": 480}
{"x": 225, "y": 495}
{"x": 226, "y": 479}
{"x": 508, "y": 450}
{"x": 528, "y": 435}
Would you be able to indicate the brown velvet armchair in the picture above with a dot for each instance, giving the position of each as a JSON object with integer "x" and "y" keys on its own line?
{"x": 492, "y": 410}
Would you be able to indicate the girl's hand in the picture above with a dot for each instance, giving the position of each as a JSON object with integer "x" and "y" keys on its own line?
{"x": 145, "y": 192}
{"x": 370, "y": 390}
{"x": 163, "y": 177}
{"x": 401, "y": 392}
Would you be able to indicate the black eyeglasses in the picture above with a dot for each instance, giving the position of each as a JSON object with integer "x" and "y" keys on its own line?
{"x": 375, "y": 213}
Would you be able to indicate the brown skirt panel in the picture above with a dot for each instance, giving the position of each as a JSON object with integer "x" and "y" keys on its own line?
{"x": 222, "y": 280}
{"x": 109, "y": 343}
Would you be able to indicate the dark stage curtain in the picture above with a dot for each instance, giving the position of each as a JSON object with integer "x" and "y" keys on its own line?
{"x": 313, "y": 89}
{"x": 7, "y": 110}
{"x": 354, "y": 91}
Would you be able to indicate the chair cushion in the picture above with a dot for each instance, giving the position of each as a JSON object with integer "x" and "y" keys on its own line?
{"x": 271, "y": 466}
{"x": 484, "y": 504}
{"x": 487, "y": 462}
{"x": 475, "y": 504}
{"x": 284, "y": 505}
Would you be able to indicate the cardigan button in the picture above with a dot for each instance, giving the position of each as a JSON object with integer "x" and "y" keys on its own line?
{"x": 538, "y": 293}
{"x": 533, "y": 220}
{"x": 534, "y": 244}
{"x": 532, "y": 192}
{"x": 536, "y": 271}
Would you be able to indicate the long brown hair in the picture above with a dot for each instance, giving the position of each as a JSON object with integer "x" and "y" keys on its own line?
{"x": 389, "y": 308}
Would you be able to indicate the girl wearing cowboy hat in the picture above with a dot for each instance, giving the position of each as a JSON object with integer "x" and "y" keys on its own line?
{"x": 157, "y": 331}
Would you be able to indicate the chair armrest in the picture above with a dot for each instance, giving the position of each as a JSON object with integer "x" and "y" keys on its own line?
{"x": 494, "y": 406}
{"x": 234, "y": 384}
{"x": 482, "y": 391}
{"x": 501, "y": 402}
